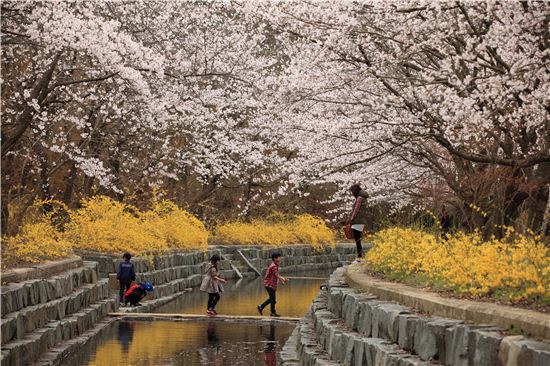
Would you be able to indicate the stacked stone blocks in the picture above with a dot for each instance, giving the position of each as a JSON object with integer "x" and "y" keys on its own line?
{"x": 39, "y": 314}
{"x": 350, "y": 328}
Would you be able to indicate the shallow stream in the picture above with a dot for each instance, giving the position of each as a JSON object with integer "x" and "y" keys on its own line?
{"x": 207, "y": 342}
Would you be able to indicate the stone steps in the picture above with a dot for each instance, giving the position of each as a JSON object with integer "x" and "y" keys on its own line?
{"x": 162, "y": 276}
{"x": 16, "y": 296}
{"x": 148, "y": 306}
{"x": 68, "y": 349}
{"x": 108, "y": 264}
{"x": 30, "y": 318}
{"x": 321, "y": 339}
{"x": 181, "y": 284}
{"x": 262, "y": 263}
{"x": 25, "y": 350}
{"x": 359, "y": 329}
{"x": 342, "y": 344}
{"x": 175, "y": 286}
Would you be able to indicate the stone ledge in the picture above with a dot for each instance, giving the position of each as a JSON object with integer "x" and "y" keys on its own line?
{"x": 67, "y": 350}
{"x": 528, "y": 322}
{"x": 43, "y": 270}
{"x": 26, "y": 350}
{"x": 18, "y": 324}
{"x": 19, "y": 295}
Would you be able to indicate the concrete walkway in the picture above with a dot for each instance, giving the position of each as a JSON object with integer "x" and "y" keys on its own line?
{"x": 164, "y": 316}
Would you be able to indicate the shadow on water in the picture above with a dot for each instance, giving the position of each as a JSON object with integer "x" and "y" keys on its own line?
{"x": 206, "y": 342}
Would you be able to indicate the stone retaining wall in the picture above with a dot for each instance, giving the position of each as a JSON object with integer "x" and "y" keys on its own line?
{"x": 173, "y": 273}
{"x": 260, "y": 257}
{"x": 40, "y": 314}
{"x": 529, "y": 322}
{"x": 358, "y": 329}
{"x": 40, "y": 270}
{"x": 44, "y": 320}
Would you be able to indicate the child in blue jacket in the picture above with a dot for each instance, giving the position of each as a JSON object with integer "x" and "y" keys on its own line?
{"x": 125, "y": 275}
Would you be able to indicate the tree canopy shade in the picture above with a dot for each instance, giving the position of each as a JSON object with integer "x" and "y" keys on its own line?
{"x": 279, "y": 99}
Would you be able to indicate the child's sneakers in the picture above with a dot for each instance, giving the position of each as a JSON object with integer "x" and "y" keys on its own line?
{"x": 275, "y": 315}
{"x": 260, "y": 310}
{"x": 211, "y": 312}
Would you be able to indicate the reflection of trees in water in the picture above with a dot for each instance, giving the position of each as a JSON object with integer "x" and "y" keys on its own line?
{"x": 125, "y": 335}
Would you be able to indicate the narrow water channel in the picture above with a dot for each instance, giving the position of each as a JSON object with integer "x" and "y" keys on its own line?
{"x": 242, "y": 297}
{"x": 207, "y": 342}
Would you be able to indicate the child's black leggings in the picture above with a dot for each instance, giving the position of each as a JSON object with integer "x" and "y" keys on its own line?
{"x": 212, "y": 300}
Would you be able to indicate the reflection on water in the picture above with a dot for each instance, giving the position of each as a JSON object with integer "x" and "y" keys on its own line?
{"x": 190, "y": 343}
{"x": 241, "y": 297}
{"x": 208, "y": 342}
{"x": 125, "y": 335}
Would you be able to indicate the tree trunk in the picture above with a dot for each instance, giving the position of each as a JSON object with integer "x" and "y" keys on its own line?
{"x": 69, "y": 187}
{"x": 5, "y": 214}
{"x": 38, "y": 92}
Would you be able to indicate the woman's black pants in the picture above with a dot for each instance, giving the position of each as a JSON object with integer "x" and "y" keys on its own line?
{"x": 357, "y": 236}
{"x": 212, "y": 300}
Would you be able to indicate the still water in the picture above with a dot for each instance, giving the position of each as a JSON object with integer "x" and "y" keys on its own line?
{"x": 242, "y": 297}
{"x": 207, "y": 342}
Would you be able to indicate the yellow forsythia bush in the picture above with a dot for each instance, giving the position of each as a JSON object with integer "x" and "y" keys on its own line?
{"x": 174, "y": 226}
{"x": 514, "y": 268}
{"x": 35, "y": 243}
{"x": 38, "y": 239}
{"x": 105, "y": 225}
{"x": 277, "y": 230}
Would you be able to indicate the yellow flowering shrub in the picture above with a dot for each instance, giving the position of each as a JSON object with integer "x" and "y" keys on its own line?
{"x": 39, "y": 239}
{"x": 105, "y": 225}
{"x": 174, "y": 226}
{"x": 277, "y": 230}
{"x": 514, "y": 268}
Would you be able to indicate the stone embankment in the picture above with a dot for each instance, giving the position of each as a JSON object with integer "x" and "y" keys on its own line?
{"x": 173, "y": 274}
{"x": 51, "y": 311}
{"x": 39, "y": 315}
{"x": 346, "y": 327}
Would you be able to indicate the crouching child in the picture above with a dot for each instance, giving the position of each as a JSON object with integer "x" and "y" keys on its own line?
{"x": 136, "y": 293}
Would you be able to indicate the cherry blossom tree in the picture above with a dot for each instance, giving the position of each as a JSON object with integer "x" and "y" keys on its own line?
{"x": 448, "y": 89}
{"x": 244, "y": 102}
{"x": 124, "y": 96}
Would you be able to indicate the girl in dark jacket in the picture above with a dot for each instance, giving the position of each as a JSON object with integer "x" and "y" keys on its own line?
{"x": 358, "y": 217}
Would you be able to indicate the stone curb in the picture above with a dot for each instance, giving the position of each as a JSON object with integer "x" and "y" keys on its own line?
{"x": 39, "y": 271}
{"x": 528, "y": 322}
